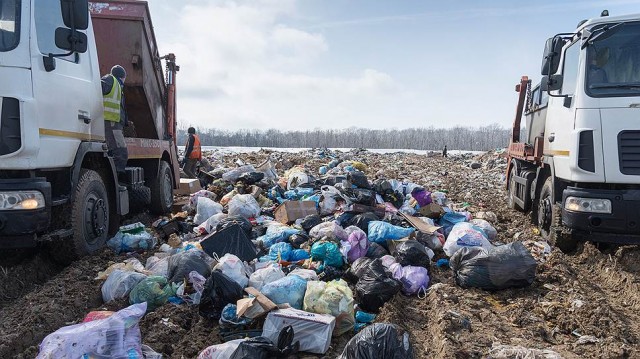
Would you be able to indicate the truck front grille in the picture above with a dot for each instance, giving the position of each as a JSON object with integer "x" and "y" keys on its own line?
{"x": 629, "y": 152}
{"x": 10, "y": 137}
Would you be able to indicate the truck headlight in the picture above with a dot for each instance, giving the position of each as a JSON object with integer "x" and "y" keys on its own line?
{"x": 23, "y": 200}
{"x": 592, "y": 205}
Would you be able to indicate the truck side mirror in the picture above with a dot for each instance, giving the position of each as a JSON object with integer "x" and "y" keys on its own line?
{"x": 71, "y": 40}
{"x": 75, "y": 14}
{"x": 551, "y": 83}
{"x": 551, "y": 56}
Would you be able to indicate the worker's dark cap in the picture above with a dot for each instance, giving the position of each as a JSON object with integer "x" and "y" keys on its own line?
{"x": 191, "y": 130}
{"x": 119, "y": 72}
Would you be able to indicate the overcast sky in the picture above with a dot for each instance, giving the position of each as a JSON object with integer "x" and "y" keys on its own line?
{"x": 304, "y": 64}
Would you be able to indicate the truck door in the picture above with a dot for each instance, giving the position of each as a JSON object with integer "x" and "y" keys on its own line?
{"x": 66, "y": 96}
{"x": 561, "y": 114}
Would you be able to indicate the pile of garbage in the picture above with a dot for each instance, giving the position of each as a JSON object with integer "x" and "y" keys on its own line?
{"x": 284, "y": 261}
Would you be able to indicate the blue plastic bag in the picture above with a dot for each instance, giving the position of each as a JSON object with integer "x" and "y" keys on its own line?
{"x": 280, "y": 251}
{"x": 277, "y": 234}
{"x": 329, "y": 252}
{"x": 290, "y": 289}
{"x": 299, "y": 255}
{"x": 380, "y": 232}
{"x": 450, "y": 219}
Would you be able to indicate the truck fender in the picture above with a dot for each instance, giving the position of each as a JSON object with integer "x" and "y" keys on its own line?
{"x": 107, "y": 165}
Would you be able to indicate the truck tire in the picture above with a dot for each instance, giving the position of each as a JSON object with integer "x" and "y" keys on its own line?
{"x": 162, "y": 190}
{"x": 89, "y": 220}
{"x": 550, "y": 220}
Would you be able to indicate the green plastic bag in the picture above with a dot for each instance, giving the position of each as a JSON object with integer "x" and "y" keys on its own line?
{"x": 154, "y": 290}
{"x": 329, "y": 252}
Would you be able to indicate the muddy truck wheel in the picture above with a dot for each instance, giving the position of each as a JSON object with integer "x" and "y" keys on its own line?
{"x": 511, "y": 195}
{"x": 89, "y": 220}
{"x": 162, "y": 190}
{"x": 550, "y": 221}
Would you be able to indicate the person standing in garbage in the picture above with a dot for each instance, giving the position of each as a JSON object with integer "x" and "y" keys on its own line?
{"x": 115, "y": 116}
{"x": 192, "y": 153}
{"x": 444, "y": 151}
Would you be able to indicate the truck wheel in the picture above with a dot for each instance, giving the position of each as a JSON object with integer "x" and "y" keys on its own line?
{"x": 89, "y": 220}
{"x": 511, "y": 198}
{"x": 162, "y": 190}
{"x": 550, "y": 220}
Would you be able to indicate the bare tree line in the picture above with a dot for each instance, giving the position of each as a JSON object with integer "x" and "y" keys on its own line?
{"x": 430, "y": 138}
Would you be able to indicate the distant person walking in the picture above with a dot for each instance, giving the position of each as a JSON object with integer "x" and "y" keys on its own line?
{"x": 192, "y": 154}
{"x": 444, "y": 151}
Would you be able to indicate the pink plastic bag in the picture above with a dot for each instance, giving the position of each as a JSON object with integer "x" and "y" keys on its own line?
{"x": 357, "y": 243}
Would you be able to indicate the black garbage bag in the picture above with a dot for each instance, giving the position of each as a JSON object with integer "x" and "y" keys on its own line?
{"x": 182, "y": 263}
{"x": 412, "y": 253}
{"x": 263, "y": 348}
{"x": 310, "y": 221}
{"x": 507, "y": 266}
{"x": 333, "y": 180}
{"x": 384, "y": 189}
{"x": 250, "y": 178}
{"x": 232, "y": 239}
{"x": 376, "y": 251}
{"x": 358, "y": 179}
{"x": 330, "y": 273}
{"x": 362, "y": 221}
{"x": 231, "y": 220}
{"x": 357, "y": 269}
{"x": 361, "y": 196}
{"x": 298, "y": 239}
{"x": 379, "y": 341}
{"x": 376, "y": 287}
{"x": 219, "y": 290}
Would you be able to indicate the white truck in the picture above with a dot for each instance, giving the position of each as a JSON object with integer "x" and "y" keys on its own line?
{"x": 577, "y": 167}
{"x": 58, "y": 183}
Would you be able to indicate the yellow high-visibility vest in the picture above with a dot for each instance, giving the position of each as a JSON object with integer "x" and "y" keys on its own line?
{"x": 112, "y": 102}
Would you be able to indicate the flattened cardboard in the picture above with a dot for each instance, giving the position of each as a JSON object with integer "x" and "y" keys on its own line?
{"x": 290, "y": 211}
{"x": 419, "y": 224}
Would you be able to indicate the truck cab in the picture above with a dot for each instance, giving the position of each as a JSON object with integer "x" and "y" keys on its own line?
{"x": 578, "y": 166}
{"x": 58, "y": 183}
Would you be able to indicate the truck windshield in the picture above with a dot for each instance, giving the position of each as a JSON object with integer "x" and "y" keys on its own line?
{"x": 9, "y": 24}
{"x": 614, "y": 63}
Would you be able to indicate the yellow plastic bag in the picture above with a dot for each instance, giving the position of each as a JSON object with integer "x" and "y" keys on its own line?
{"x": 333, "y": 298}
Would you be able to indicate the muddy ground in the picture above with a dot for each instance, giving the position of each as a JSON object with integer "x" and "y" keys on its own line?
{"x": 585, "y": 305}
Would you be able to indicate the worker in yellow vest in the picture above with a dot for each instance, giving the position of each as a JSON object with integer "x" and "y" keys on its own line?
{"x": 192, "y": 153}
{"x": 115, "y": 116}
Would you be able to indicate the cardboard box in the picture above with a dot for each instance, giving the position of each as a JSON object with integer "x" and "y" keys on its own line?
{"x": 288, "y": 212}
{"x": 188, "y": 186}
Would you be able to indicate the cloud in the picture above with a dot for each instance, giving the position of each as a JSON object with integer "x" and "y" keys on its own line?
{"x": 243, "y": 66}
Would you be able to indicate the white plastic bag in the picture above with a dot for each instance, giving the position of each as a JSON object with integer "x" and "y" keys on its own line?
{"x": 263, "y": 276}
{"x": 244, "y": 205}
{"x": 465, "y": 234}
{"x": 115, "y": 337}
{"x": 232, "y": 267}
{"x": 206, "y": 209}
{"x": 306, "y": 274}
{"x": 119, "y": 284}
{"x": 210, "y": 224}
{"x": 221, "y": 351}
{"x": 313, "y": 331}
{"x": 488, "y": 229}
{"x": 158, "y": 266}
